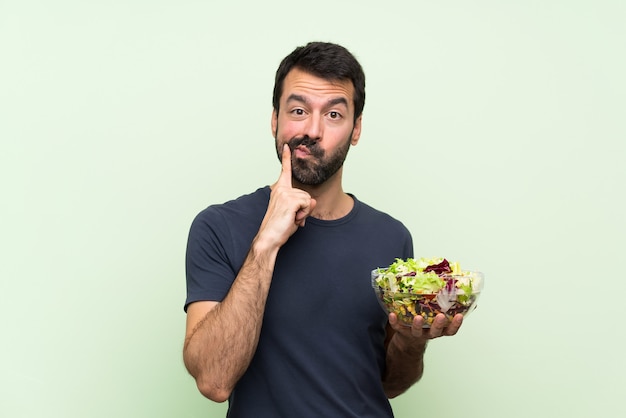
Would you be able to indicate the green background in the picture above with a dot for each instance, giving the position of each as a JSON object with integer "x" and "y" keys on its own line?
{"x": 494, "y": 130}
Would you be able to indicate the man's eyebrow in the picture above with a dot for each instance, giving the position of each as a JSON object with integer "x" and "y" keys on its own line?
{"x": 296, "y": 98}
{"x": 332, "y": 102}
{"x": 338, "y": 100}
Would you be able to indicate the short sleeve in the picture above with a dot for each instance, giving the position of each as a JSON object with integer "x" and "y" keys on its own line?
{"x": 209, "y": 273}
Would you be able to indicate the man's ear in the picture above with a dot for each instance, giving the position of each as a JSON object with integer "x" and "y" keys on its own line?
{"x": 274, "y": 122}
{"x": 356, "y": 131}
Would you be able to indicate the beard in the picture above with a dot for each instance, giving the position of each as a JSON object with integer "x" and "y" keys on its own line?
{"x": 318, "y": 166}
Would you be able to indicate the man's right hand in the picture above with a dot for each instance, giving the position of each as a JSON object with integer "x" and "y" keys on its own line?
{"x": 288, "y": 207}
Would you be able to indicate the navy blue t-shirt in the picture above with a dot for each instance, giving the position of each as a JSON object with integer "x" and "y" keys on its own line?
{"x": 321, "y": 348}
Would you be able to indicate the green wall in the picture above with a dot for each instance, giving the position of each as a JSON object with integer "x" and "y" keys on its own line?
{"x": 495, "y": 130}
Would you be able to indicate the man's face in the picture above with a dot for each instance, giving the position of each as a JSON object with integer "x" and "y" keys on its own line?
{"x": 316, "y": 119}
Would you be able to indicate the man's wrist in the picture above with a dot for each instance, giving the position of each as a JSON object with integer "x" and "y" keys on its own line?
{"x": 409, "y": 344}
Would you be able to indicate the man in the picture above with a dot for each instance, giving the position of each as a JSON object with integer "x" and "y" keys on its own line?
{"x": 282, "y": 320}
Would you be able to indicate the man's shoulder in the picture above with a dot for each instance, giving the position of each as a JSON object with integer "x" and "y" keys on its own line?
{"x": 370, "y": 211}
{"x": 379, "y": 222}
{"x": 244, "y": 209}
{"x": 244, "y": 203}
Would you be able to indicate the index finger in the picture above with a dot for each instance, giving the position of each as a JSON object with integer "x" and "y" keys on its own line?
{"x": 285, "y": 174}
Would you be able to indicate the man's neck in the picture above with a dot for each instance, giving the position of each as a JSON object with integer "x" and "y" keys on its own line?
{"x": 331, "y": 201}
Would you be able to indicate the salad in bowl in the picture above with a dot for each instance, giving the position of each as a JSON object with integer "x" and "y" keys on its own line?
{"x": 426, "y": 287}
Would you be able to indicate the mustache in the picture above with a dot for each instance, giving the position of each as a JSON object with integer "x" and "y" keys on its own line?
{"x": 308, "y": 142}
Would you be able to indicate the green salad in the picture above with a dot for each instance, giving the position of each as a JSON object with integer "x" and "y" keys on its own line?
{"x": 426, "y": 287}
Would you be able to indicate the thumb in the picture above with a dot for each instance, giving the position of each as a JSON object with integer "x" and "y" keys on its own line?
{"x": 302, "y": 214}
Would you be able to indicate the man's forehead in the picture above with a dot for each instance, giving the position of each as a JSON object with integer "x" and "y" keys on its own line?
{"x": 301, "y": 84}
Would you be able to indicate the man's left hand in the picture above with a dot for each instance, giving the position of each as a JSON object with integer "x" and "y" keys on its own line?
{"x": 440, "y": 327}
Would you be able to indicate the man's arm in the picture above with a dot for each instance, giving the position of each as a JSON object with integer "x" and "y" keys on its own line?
{"x": 221, "y": 338}
{"x": 406, "y": 347}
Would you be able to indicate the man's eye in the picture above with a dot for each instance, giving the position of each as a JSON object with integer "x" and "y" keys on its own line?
{"x": 298, "y": 112}
{"x": 334, "y": 115}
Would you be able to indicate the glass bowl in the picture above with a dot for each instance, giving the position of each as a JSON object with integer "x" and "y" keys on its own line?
{"x": 449, "y": 301}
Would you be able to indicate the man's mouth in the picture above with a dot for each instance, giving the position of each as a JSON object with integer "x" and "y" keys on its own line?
{"x": 304, "y": 146}
{"x": 301, "y": 151}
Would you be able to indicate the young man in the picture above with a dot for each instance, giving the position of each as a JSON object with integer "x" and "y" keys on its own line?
{"x": 282, "y": 320}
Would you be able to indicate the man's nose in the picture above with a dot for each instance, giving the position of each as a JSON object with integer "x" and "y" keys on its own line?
{"x": 314, "y": 127}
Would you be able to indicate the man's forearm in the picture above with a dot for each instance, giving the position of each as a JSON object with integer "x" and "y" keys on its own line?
{"x": 404, "y": 365}
{"x": 222, "y": 344}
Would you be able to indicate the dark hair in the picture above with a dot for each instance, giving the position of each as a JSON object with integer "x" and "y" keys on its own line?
{"x": 325, "y": 60}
